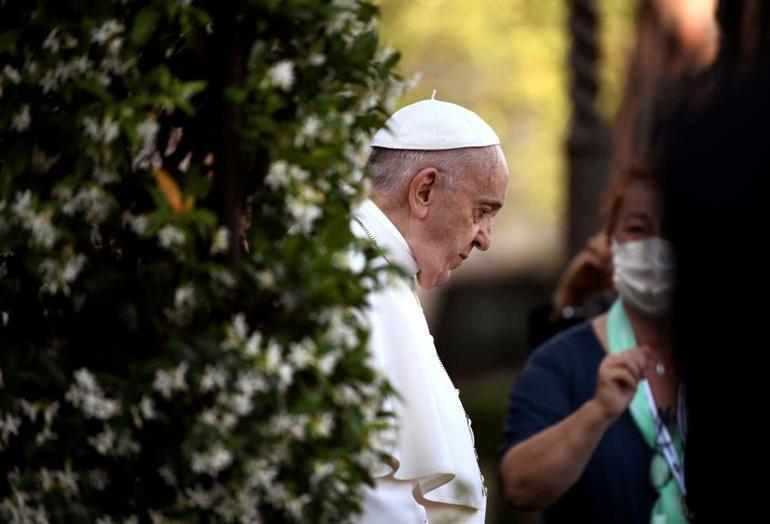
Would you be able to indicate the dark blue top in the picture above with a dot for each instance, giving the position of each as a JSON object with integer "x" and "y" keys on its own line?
{"x": 558, "y": 378}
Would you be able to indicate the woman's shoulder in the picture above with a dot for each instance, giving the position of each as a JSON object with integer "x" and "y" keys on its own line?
{"x": 575, "y": 346}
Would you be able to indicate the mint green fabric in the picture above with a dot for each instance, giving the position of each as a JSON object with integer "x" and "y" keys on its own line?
{"x": 668, "y": 508}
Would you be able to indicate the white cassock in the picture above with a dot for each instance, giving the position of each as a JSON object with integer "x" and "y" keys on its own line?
{"x": 434, "y": 476}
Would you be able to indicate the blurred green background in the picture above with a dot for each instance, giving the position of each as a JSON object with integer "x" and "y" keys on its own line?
{"x": 506, "y": 60}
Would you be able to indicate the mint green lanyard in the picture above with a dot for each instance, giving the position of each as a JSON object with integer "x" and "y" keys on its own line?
{"x": 668, "y": 508}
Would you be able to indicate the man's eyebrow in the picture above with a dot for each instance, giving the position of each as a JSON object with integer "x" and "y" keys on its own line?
{"x": 494, "y": 204}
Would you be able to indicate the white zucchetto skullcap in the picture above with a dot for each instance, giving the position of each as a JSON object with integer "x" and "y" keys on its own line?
{"x": 432, "y": 124}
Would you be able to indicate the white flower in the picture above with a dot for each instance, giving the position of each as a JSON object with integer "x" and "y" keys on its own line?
{"x": 21, "y": 120}
{"x": 281, "y": 173}
{"x": 321, "y": 470}
{"x": 105, "y": 132}
{"x": 63, "y": 72}
{"x": 272, "y": 357}
{"x": 347, "y": 395}
{"x": 253, "y": 344}
{"x": 43, "y": 232}
{"x": 281, "y": 74}
{"x": 251, "y": 382}
{"x": 147, "y": 408}
{"x": 369, "y": 102}
{"x": 88, "y": 396}
{"x": 137, "y": 223}
{"x": 39, "y": 224}
{"x": 184, "y": 297}
{"x": 285, "y": 375}
{"x": 22, "y": 206}
{"x": 92, "y": 201}
{"x": 30, "y": 409}
{"x": 104, "y": 176}
{"x": 147, "y": 131}
{"x": 58, "y": 276}
{"x": 103, "y": 442}
{"x": 171, "y": 236}
{"x": 240, "y": 403}
{"x": 322, "y": 425}
{"x": 260, "y": 474}
{"x": 8, "y": 426}
{"x": 383, "y": 53}
{"x": 311, "y": 126}
{"x": 11, "y": 74}
{"x": 316, "y": 59}
{"x": 304, "y": 213}
{"x": 98, "y": 479}
{"x": 290, "y": 425}
{"x": 223, "y": 279}
{"x": 168, "y": 382}
{"x": 297, "y": 505}
{"x": 214, "y": 377}
{"x": 86, "y": 379}
{"x": 41, "y": 161}
{"x": 340, "y": 331}
{"x": 221, "y": 241}
{"x": 266, "y": 278}
{"x": 115, "y": 45}
{"x": 238, "y": 329}
{"x": 210, "y": 416}
{"x": 108, "y": 443}
{"x": 198, "y": 497}
{"x": 328, "y": 362}
{"x": 341, "y": 20}
{"x": 278, "y": 175}
{"x": 107, "y": 30}
{"x": 51, "y": 42}
{"x": 168, "y": 476}
{"x": 50, "y": 412}
{"x": 211, "y": 461}
{"x": 300, "y": 355}
{"x": 354, "y": 260}
{"x": 19, "y": 510}
{"x": 65, "y": 481}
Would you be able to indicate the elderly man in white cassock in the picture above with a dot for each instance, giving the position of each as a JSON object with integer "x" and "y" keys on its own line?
{"x": 439, "y": 179}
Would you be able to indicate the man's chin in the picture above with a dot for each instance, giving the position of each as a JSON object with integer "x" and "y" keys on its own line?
{"x": 427, "y": 281}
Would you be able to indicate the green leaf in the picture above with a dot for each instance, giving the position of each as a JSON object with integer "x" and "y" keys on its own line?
{"x": 144, "y": 25}
{"x": 236, "y": 94}
{"x": 8, "y": 41}
{"x": 94, "y": 87}
{"x": 190, "y": 89}
{"x": 196, "y": 185}
{"x": 363, "y": 46}
{"x": 201, "y": 217}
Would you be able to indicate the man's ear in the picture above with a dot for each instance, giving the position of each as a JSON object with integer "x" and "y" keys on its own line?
{"x": 422, "y": 191}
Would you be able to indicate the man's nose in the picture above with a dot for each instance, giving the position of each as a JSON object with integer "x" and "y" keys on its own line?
{"x": 483, "y": 239}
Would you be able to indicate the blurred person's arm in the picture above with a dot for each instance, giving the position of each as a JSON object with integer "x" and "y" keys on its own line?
{"x": 539, "y": 470}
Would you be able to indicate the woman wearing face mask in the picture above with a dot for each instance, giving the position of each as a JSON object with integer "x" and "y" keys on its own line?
{"x": 593, "y": 430}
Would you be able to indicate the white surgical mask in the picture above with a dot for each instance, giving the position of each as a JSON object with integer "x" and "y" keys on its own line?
{"x": 643, "y": 274}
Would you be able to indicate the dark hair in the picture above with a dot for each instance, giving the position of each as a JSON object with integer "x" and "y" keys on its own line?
{"x": 641, "y": 168}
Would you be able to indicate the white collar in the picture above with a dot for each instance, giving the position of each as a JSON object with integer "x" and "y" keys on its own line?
{"x": 386, "y": 235}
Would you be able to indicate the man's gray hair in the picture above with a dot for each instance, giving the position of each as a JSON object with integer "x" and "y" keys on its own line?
{"x": 391, "y": 168}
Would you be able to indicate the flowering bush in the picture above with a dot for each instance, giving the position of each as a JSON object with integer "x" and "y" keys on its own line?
{"x": 179, "y": 287}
